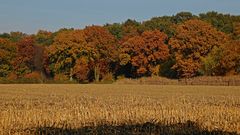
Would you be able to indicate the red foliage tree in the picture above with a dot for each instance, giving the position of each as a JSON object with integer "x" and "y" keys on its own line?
{"x": 24, "y": 61}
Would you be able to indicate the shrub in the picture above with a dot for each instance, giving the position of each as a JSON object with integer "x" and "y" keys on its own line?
{"x": 108, "y": 78}
{"x": 33, "y": 76}
{"x": 12, "y": 76}
{"x": 61, "y": 77}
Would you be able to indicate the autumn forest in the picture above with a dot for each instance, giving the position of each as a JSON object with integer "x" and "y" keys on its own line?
{"x": 178, "y": 46}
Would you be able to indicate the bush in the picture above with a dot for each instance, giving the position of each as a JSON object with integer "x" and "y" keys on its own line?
{"x": 61, "y": 77}
{"x": 108, "y": 78}
{"x": 33, "y": 76}
{"x": 12, "y": 76}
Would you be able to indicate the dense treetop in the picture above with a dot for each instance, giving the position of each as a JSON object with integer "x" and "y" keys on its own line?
{"x": 179, "y": 46}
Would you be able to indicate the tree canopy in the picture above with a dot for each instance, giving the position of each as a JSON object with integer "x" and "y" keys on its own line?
{"x": 178, "y": 46}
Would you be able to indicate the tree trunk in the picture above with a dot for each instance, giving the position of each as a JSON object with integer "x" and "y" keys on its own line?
{"x": 96, "y": 73}
{"x": 71, "y": 74}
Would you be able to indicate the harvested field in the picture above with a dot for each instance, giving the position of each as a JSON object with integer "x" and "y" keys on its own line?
{"x": 119, "y": 109}
{"x": 202, "y": 80}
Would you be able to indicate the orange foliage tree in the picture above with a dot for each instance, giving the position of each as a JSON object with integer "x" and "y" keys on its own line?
{"x": 103, "y": 49}
{"x": 230, "y": 61}
{"x": 193, "y": 40}
{"x": 81, "y": 69}
{"x": 145, "y": 53}
{"x": 236, "y": 31}
{"x": 73, "y": 51}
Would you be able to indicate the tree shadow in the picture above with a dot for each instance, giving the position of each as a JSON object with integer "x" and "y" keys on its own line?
{"x": 148, "y": 128}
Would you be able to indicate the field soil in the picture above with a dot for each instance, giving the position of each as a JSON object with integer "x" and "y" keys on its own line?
{"x": 118, "y": 109}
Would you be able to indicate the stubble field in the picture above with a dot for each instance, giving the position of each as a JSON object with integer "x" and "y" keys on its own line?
{"x": 119, "y": 109}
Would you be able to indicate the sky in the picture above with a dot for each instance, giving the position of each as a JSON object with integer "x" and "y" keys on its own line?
{"x": 29, "y": 16}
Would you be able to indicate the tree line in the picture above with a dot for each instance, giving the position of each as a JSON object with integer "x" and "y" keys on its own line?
{"x": 179, "y": 46}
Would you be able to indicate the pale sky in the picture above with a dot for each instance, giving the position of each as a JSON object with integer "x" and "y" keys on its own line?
{"x": 31, "y": 15}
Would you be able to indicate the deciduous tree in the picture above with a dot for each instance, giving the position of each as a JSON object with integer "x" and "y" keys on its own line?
{"x": 61, "y": 56}
{"x": 164, "y": 24}
{"x": 24, "y": 61}
{"x": 193, "y": 40}
{"x": 145, "y": 53}
{"x": 223, "y": 22}
{"x": 81, "y": 69}
{"x": 231, "y": 57}
{"x": 103, "y": 48}
{"x": 44, "y": 38}
{"x": 7, "y": 54}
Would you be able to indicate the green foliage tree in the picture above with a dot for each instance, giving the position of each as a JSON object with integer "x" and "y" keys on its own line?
{"x": 5, "y": 35}
{"x": 115, "y": 29}
{"x": 7, "y": 54}
{"x": 131, "y": 28}
{"x": 211, "y": 64}
{"x": 223, "y": 22}
{"x": 17, "y": 36}
{"x": 44, "y": 38}
{"x": 182, "y": 17}
{"x": 164, "y": 24}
